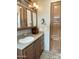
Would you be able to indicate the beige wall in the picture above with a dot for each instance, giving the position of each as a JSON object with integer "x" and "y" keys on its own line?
{"x": 44, "y": 12}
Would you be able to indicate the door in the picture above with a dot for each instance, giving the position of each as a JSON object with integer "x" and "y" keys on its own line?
{"x": 55, "y": 26}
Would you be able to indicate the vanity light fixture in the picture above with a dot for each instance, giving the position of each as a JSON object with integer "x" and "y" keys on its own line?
{"x": 30, "y": 6}
{"x": 34, "y": 6}
{"x": 20, "y": 7}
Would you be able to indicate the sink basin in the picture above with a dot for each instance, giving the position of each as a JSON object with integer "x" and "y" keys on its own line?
{"x": 26, "y": 40}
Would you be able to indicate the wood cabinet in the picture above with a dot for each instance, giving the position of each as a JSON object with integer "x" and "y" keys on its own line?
{"x": 26, "y": 16}
{"x": 39, "y": 47}
{"x": 19, "y": 54}
{"x": 28, "y": 52}
{"x": 42, "y": 43}
{"x": 33, "y": 51}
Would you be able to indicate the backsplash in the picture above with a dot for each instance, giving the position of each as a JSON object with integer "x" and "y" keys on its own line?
{"x": 21, "y": 32}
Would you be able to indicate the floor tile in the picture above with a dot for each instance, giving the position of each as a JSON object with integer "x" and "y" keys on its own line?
{"x": 50, "y": 55}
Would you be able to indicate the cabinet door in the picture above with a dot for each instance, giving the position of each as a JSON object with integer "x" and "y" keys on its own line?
{"x": 42, "y": 43}
{"x": 19, "y": 54}
{"x": 37, "y": 49}
{"x": 29, "y": 53}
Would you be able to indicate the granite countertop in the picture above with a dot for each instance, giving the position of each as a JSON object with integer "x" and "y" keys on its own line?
{"x": 22, "y": 46}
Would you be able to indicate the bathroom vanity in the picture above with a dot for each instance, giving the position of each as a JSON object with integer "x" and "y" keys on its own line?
{"x": 33, "y": 49}
{"x": 27, "y": 19}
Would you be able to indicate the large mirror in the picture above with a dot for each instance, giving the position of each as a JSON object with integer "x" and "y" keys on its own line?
{"x": 23, "y": 17}
{"x": 26, "y": 17}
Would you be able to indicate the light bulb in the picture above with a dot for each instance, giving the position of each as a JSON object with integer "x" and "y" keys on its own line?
{"x": 20, "y": 7}
{"x": 30, "y": 6}
{"x": 34, "y": 4}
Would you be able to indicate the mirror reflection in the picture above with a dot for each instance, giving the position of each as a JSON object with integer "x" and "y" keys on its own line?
{"x": 23, "y": 17}
{"x": 18, "y": 16}
{"x": 29, "y": 21}
{"x": 34, "y": 19}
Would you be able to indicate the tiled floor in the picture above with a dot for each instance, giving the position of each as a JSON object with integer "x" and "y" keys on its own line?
{"x": 50, "y": 55}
